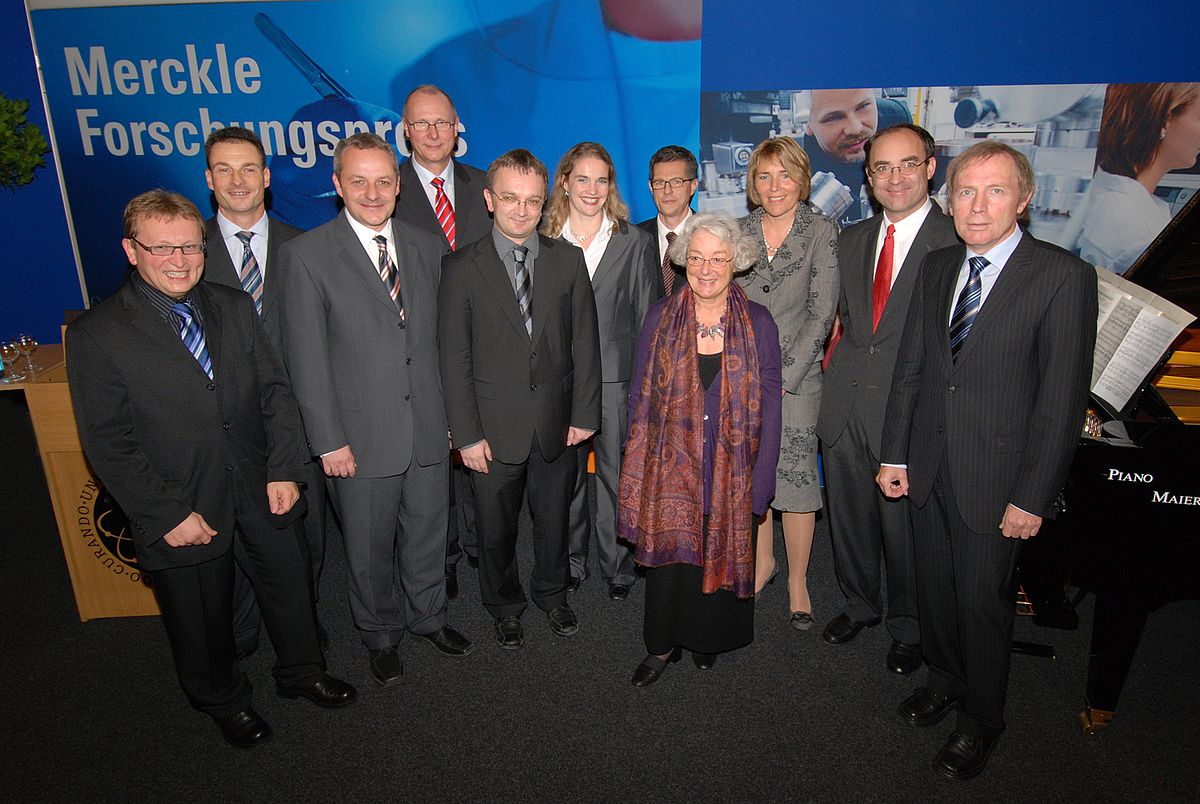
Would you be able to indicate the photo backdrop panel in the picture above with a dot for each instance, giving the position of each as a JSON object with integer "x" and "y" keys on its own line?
{"x": 1146, "y": 135}
{"x": 134, "y": 91}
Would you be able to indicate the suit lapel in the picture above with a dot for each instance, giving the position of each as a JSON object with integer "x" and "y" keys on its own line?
{"x": 922, "y": 244}
{"x": 213, "y": 330}
{"x": 410, "y": 261}
{"x": 352, "y": 255}
{"x": 545, "y": 276}
{"x": 269, "y": 291}
{"x": 614, "y": 253}
{"x": 146, "y": 320}
{"x": 464, "y": 210}
{"x": 495, "y": 277}
{"x": 943, "y": 295}
{"x": 862, "y": 280}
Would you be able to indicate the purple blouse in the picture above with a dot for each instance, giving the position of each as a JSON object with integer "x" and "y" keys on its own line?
{"x": 766, "y": 339}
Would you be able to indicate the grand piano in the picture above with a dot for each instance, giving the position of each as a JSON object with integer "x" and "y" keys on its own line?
{"x": 1129, "y": 531}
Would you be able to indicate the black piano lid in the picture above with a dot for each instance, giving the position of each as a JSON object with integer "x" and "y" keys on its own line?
{"x": 1170, "y": 265}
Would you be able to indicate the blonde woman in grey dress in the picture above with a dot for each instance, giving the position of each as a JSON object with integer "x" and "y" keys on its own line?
{"x": 796, "y": 279}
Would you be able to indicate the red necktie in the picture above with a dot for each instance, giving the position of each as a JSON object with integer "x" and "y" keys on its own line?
{"x": 443, "y": 210}
{"x": 668, "y": 270}
{"x": 883, "y": 277}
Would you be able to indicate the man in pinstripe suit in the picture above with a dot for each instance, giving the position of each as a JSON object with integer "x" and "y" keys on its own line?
{"x": 986, "y": 406}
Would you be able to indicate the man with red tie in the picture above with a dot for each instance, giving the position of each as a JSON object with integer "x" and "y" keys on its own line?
{"x": 445, "y": 198}
{"x": 879, "y": 259}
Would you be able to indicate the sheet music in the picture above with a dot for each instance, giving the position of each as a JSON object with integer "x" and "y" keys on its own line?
{"x": 1134, "y": 329}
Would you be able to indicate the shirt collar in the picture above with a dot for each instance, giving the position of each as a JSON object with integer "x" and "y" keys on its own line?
{"x": 909, "y": 225}
{"x": 999, "y": 254}
{"x": 504, "y": 245}
{"x": 367, "y": 235}
{"x": 230, "y": 229}
{"x": 161, "y": 302}
{"x": 426, "y": 176}
{"x": 663, "y": 228}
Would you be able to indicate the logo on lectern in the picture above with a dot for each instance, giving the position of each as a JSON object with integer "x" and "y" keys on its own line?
{"x": 105, "y": 529}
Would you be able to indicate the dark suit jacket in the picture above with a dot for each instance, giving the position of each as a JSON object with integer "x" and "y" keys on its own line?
{"x": 859, "y": 376}
{"x": 164, "y": 438}
{"x": 501, "y": 383}
{"x": 471, "y": 218}
{"x": 219, "y": 268}
{"x": 361, "y": 378}
{"x": 651, "y": 228}
{"x": 625, "y": 283}
{"x": 1006, "y": 415}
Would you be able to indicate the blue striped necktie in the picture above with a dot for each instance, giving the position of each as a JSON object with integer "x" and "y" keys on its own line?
{"x": 524, "y": 288}
{"x": 250, "y": 274}
{"x": 192, "y": 333}
{"x": 967, "y": 307}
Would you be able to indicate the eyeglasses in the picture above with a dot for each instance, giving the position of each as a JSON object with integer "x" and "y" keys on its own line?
{"x": 906, "y": 169}
{"x": 695, "y": 260}
{"x": 510, "y": 200}
{"x": 166, "y": 251}
{"x": 674, "y": 183}
{"x": 423, "y": 125}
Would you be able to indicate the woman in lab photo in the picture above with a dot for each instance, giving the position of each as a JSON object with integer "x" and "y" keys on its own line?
{"x": 1147, "y": 130}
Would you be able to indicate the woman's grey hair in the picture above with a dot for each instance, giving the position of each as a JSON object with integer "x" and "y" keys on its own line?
{"x": 722, "y": 227}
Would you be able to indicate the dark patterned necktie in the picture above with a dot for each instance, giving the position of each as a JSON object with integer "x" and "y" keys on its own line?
{"x": 389, "y": 274}
{"x": 524, "y": 288}
{"x": 250, "y": 274}
{"x": 668, "y": 271}
{"x": 443, "y": 210}
{"x": 192, "y": 333}
{"x": 967, "y": 307}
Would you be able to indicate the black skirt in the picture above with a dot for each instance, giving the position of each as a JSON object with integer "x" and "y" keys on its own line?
{"x": 678, "y": 614}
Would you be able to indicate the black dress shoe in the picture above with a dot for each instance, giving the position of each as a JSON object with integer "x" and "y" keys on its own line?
{"x": 573, "y": 584}
{"x": 473, "y": 562}
{"x": 451, "y": 582}
{"x": 386, "y": 667}
{"x": 448, "y": 641}
{"x": 704, "y": 661}
{"x": 245, "y": 729}
{"x": 618, "y": 591}
{"x": 924, "y": 708}
{"x": 326, "y": 691}
{"x": 963, "y": 756}
{"x": 903, "y": 657}
{"x": 842, "y": 629}
{"x": 563, "y": 620}
{"x": 652, "y": 667}
{"x": 509, "y": 633}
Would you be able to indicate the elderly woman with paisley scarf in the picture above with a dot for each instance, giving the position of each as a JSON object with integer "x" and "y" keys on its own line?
{"x": 699, "y": 465}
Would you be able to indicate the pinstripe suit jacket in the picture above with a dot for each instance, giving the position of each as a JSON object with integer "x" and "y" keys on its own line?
{"x": 1005, "y": 416}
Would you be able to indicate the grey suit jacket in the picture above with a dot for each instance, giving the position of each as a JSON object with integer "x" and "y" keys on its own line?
{"x": 501, "y": 383}
{"x": 361, "y": 377}
{"x": 859, "y": 375}
{"x": 471, "y": 218}
{"x": 624, "y": 286}
{"x": 164, "y": 438}
{"x": 219, "y": 268}
{"x": 800, "y": 289}
{"x": 1006, "y": 415}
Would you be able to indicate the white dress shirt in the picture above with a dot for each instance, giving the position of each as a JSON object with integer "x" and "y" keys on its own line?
{"x": 366, "y": 236}
{"x": 902, "y": 238}
{"x": 427, "y": 183}
{"x": 594, "y": 252}
{"x": 662, "y": 230}
{"x": 258, "y": 243}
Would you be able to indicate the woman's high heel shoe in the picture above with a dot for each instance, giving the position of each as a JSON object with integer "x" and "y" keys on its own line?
{"x": 771, "y": 580}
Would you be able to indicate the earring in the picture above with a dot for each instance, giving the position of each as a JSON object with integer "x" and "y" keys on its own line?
{"x": 1162, "y": 134}
{"x": 566, "y": 193}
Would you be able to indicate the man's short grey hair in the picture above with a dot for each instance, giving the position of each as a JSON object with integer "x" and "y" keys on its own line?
{"x": 722, "y": 227}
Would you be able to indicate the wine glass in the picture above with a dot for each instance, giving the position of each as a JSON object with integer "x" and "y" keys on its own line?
{"x": 9, "y": 354}
{"x": 27, "y": 345}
